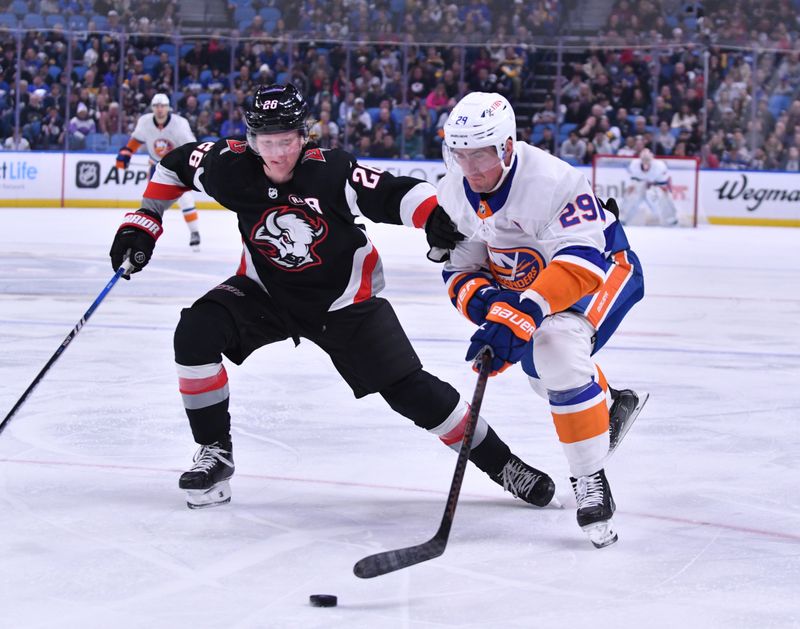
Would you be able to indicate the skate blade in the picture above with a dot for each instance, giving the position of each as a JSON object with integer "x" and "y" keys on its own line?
{"x": 219, "y": 494}
{"x": 601, "y": 534}
{"x": 629, "y": 423}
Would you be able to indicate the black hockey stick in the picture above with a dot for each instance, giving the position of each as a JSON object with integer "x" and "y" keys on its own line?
{"x": 125, "y": 268}
{"x": 391, "y": 560}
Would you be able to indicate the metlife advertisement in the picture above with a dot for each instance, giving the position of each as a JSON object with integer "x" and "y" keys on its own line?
{"x": 32, "y": 179}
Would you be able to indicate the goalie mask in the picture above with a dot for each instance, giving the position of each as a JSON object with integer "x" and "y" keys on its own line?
{"x": 275, "y": 109}
{"x": 476, "y": 139}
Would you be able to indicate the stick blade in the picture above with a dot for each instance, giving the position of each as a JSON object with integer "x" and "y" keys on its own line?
{"x": 392, "y": 560}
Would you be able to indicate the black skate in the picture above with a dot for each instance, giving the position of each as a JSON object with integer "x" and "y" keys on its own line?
{"x": 194, "y": 241}
{"x": 625, "y": 408}
{"x": 525, "y": 482}
{"x": 595, "y": 508}
{"x": 206, "y": 484}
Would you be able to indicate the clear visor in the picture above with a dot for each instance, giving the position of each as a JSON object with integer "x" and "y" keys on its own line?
{"x": 471, "y": 161}
{"x": 278, "y": 144}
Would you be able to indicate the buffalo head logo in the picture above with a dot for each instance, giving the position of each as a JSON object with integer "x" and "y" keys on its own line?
{"x": 287, "y": 237}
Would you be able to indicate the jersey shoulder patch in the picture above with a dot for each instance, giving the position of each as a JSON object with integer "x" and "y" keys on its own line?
{"x": 235, "y": 146}
{"x": 315, "y": 155}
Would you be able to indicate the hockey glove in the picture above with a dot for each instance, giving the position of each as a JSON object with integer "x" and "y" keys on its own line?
{"x": 509, "y": 325}
{"x": 124, "y": 157}
{"x": 135, "y": 240}
{"x": 442, "y": 235}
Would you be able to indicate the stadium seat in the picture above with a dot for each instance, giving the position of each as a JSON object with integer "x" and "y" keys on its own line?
{"x": 205, "y": 77}
{"x": 77, "y": 23}
{"x": 33, "y": 20}
{"x": 203, "y": 98}
{"x": 79, "y": 71}
{"x": 100, "y": 22}
{"x": 374, "y": 112}
{"x": 167, "y": 48}
{"x": 97, "y": 142}
{"x": 117, "y": 141}
{"x": 399, "y": 114}
{"x": 54, "y": 72}
{"x": 8, "y": 20}
{"x": 55, "y": 19}
{"x": 19, "y": 8}
{"x": 778, "y": 103}
{"x": 185, "y": 48}
{"x": 150, "y": 62}
{"x": 270, "y": 14}
{"x": 209, "y": 138}
{"x": 281, "y": 78}
{"x": 244, "y": 13}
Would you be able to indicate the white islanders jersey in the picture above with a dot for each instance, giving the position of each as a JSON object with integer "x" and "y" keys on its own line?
{"x": 161, "y": 140}
{"x": 543, "y": 230}
{"x": 657, "y": 174}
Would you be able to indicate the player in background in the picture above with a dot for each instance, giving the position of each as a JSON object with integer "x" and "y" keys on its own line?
{"x": 162, "y": 131}
{"x": 649, "y": 185}
{"x": 546, "y": 273}
{"x": 307, "y": 270}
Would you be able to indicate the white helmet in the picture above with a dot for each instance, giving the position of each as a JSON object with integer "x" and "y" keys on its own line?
{"x": 481, "y": 119}
{"x": 160, "y": 99}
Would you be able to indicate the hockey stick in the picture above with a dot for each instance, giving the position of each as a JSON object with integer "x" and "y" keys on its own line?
{"x": 391, "y": 560}
{"x": 125, "y": 268}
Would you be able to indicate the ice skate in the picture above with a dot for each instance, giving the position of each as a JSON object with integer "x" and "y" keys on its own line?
{"x": 625, "y": 408}
{"x": 206, "y": 484}
{"x": 526, "y": 482}
{"x": 194, "y": 241}
{"x": 595, "y": 508}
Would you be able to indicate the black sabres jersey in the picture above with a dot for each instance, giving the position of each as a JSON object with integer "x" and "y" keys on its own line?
{"x": 301, "y": 240}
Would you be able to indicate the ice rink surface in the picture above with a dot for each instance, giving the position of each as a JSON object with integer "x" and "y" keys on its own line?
{"x": 95, "y": 533}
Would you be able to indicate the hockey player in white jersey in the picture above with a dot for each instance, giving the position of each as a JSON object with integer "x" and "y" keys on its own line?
{"x": 160, "y": 132}
{"x": 546, "y": 273}
{"x": 649, "y": 185}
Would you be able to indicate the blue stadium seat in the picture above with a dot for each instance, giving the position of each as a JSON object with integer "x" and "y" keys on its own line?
{"x": 55, "y": 19}
{"x": 185, "y": 48}
{"x": 150, "y": 62}
{"x": 9, "y": 20}
{"x": 281, "y": 78}
{"x": 203, "y": 98}
{"x": 117, "y": 141}
{"x": 77, "y": 23}
{"x": 538, "y": 131}
{"x": 167, "y": 48}
{"x": 100, "y": 22}
{"x": 240, "y": 14}
{"x": 270, "y": 14}
{"x": 19, "y": 8}
{"x": 97, "y": 142}
{"x": 79, "y": 71}
{"x": 399, "y": 114}
{"x": 374, "y": 112}
{"x": 33, "y": 20}
{"x": 54, "y": 72}
{"x": 778, "y": 103}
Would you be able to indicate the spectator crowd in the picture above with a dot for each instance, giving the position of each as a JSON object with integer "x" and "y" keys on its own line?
{"x": 84, "y": 82}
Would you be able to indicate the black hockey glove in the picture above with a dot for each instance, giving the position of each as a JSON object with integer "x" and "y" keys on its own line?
{"x": 442, "y": 235}
{"x": 135, "y": 240}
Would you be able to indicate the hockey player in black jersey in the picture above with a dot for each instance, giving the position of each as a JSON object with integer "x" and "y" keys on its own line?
{"x": 307, "y": 270}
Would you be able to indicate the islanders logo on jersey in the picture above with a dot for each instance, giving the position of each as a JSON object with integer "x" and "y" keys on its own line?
{"x": 162, "y": 146}
{"x": 515, "y": 268}
{"x": 288, "y": 237}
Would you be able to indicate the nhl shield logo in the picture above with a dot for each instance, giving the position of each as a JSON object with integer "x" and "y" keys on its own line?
{"x": 273, "y": 193}
{"x": 87, "y": 175}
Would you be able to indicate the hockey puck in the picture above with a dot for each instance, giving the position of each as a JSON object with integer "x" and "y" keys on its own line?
{"x": 323, "y": 600}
